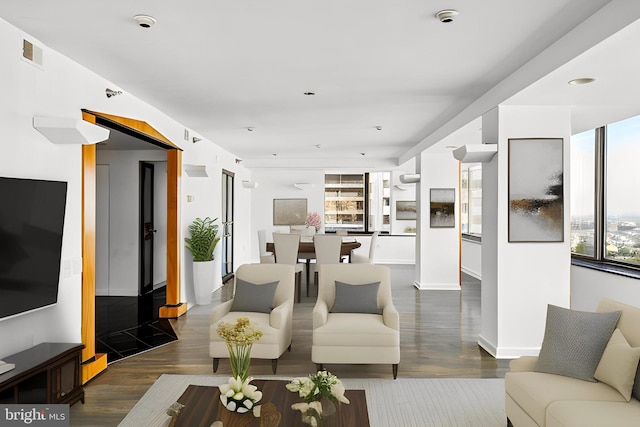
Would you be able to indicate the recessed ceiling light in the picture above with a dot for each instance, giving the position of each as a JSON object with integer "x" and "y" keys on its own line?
{"x": 309, "y": 93}
{"x": 250, "y": 129}
{"x": 145, "y": 21}
{"x": 318, "y": 145}
{"x": 362, "y": 154}
{"x": 450, "y": 146}
{"x": 582, "y": 81}
{"x": 379, "y": 127}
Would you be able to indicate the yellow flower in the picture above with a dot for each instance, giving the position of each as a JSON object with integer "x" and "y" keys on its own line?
{"x": 242, "y": 332}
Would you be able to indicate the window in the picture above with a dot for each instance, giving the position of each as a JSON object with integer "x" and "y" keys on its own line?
{"x": 347, "y": 204}
{"x": 605, "y": 208}
{"x": 471, "y": 199}
{"x": 583, "y": 160}
{"x": 344, "y": 202}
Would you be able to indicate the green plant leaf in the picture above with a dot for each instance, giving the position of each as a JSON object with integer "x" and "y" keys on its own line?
{"x": 203, "y": 238}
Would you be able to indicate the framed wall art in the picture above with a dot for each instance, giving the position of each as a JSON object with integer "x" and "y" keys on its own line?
{"x": 289, "y": 211}
{"x": 406, "y": 209}
{"x": 536, "y": 203}
{"x": 442, "y": 204}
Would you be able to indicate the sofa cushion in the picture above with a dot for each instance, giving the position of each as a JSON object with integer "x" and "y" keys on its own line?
{"x": 535, "y": 391}
{"x": 252, "y": 297}
{"x": 567, "y": 413}
{"x": 364, "y": 330}
{"x": 356, "y": 298}
{"x": 574, "y": 341}
{"x": 619, "y": 364}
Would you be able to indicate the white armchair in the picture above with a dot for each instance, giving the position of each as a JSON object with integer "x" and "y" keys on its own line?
{"x": 270, "y": 309}
{"x": 354, "y": 319}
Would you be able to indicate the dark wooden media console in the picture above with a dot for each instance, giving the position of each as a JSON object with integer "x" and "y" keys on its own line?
{"x": 46, "y": 373}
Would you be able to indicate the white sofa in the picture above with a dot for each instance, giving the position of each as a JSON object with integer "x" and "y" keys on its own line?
{"x": 345, "y": 331}
{"x": 549, "y": 400}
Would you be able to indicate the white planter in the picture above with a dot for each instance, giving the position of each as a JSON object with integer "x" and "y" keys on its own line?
{"x": 203, "y": 281}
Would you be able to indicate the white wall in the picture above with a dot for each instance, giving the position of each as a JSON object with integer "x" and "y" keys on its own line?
{"x": 437, "y": 249}
{"x": 472, "y": 258}
{"x": 588, "y": 286}
{"x": 519, "y": 279}
{"x": 61, "y": 88}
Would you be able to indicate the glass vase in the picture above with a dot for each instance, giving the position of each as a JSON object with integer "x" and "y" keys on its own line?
{"x": 328, "y": 417}
{"x": 240, "y": 359}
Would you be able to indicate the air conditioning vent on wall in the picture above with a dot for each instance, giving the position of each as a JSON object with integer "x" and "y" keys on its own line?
{"x": 32, "y": 52}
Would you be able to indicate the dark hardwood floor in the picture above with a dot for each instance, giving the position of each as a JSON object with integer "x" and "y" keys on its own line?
{"x": 438, "y": 332}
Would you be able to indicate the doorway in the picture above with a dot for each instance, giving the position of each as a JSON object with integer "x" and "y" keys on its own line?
{"x": 147, "y": 229}
{"x": 227, "y": 224}
{"x": 167, "y": 305}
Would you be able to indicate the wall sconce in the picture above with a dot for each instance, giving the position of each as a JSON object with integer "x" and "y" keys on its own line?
{"x": 196, "y": 139}
{"x": 475, "y": 153}
{"x": 60, "y": 130}
{"x": 410, "y": 178}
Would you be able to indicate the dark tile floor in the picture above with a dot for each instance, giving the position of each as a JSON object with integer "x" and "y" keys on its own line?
{"x": 130, "y": 325}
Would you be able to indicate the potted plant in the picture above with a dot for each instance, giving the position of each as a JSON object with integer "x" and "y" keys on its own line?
{"x": 202, "y": 241}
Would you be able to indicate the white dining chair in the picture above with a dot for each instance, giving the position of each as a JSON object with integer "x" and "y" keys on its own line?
{"x": 265, "y": 256}
{"x": 361, "y": 259}
{"x": 286, "y": 252}
{"x": 327, "y": 248}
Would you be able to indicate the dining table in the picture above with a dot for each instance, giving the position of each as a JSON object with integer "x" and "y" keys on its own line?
{"x": 307, "y": 251}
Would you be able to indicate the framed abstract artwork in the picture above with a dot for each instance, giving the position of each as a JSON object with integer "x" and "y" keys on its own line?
{"x": 442, "y": 204}
{"x": 536, "y": 201}
{"x": 289, "y": 211}
{"x": 406, "y": 209}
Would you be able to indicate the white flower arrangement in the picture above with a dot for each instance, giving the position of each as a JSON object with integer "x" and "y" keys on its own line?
{"x": 312, "y": 390}
{"x": 239, "y": 396}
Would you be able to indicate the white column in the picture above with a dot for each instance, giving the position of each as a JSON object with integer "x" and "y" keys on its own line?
{"x": 437, "y": 249}
{"x": 519, "y": 279}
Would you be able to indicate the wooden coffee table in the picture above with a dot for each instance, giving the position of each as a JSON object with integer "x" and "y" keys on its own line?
{"x": 203, "y": 407}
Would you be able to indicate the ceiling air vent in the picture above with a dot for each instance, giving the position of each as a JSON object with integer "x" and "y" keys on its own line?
{"x": 32, "y": 52}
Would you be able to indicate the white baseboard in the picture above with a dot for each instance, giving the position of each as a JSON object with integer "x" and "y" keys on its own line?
{"x": 507, "y": 352}
{"x": 437, "y": 286}
{"x": 395, "y": 261}
{"x": 471, "y": 273}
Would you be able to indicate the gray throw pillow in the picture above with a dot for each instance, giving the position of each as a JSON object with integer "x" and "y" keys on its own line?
{"x": 356, "y": 298}
{"x": 252, "y": 297}
{"x": 574, "y": 342}
{"x": 636, "y": 385}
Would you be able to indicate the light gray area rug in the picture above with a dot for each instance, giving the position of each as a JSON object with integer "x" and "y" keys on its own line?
{"x": 405, "y": 402}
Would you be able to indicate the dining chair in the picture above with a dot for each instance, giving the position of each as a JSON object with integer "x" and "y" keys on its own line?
{"x": 265, "y": 257}
{"x": 286, "y": 252}
{"x": 327, "y": 248}
{"x": 361, "y": 259}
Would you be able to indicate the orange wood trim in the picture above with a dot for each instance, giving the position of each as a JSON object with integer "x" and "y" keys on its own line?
{"x": 94, "y": 367}
{"x": 138, "y": 125}
{"x": 174, "y": 171}
{"x": 168, "y": 312}
{"x": 88, "y": 251}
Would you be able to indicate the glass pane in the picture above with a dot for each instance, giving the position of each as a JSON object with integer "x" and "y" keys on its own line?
{"x": 475, "y": 200}
{"x": 344, "y": 202}
{"x": 583, "y": 164}
{"x": 379, "y": 194}
{"x": 622, "y": 204}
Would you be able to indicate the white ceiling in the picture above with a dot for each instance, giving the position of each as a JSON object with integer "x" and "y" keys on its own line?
{"x": 221, "y": 67}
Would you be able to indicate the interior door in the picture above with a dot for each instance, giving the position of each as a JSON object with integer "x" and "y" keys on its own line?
{"x": 227, "y": 225}
{"x": 146, "y": 228}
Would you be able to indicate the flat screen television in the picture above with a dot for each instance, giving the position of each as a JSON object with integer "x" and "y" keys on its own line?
{"x": 31, "y": 226}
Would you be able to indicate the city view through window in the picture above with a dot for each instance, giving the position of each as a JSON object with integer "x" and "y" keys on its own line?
{"x": 621, "y": 235}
